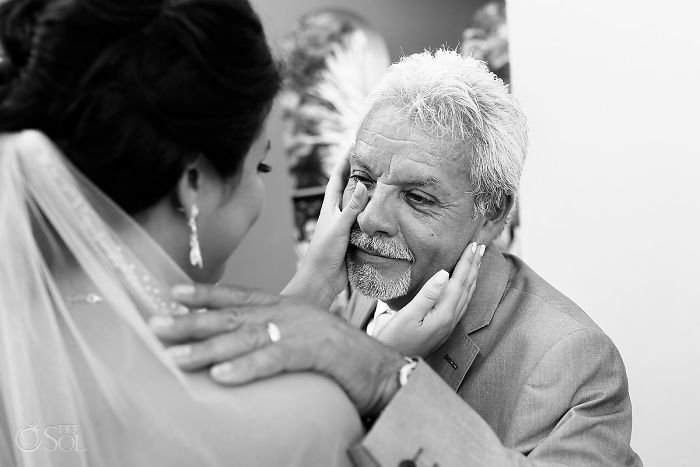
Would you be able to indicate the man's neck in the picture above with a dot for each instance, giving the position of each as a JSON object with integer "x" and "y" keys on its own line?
{"x": 400, "y": 302}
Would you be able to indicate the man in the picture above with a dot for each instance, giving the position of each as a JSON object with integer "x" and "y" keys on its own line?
{"x": 524, "y": 378}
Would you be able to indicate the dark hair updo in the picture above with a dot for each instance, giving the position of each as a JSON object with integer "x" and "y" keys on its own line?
{"x": 134, "y": 90}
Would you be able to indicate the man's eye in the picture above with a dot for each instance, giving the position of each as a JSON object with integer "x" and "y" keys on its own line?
{"x": 264, "y": 168}
{"x": 359, "y": 177}
{"x": 418, "y": 199}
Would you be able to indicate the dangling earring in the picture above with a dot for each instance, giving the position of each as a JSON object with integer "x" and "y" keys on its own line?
{"x": 195, "y": 251}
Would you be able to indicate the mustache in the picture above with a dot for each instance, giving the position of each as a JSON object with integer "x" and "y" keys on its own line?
{"x": 389, "y": 247}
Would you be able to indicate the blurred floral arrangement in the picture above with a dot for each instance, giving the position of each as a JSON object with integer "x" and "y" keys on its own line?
{"x": 332, "y": 59}
{"x": 487, "y": 38}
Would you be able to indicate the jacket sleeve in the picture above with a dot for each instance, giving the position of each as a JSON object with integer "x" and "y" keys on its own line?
{"x": 573, "y": 409}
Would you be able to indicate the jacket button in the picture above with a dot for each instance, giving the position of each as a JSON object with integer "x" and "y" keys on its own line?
{"x": 407, "y": 463}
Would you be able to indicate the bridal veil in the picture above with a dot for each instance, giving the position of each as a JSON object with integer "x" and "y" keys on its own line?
{"x": 83, "y": 381}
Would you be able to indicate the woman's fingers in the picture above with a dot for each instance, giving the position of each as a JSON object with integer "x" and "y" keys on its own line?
{"x": 468, "y": 290}
{"x": 453, "y": 303}
{"x": 336, "y": 186}
{"x": 458, "y": 281}
{"x": 465, "y": 263}
{"x": 427, "y": 296}
{"x": 357, "y": 203}
{"x": 464, "y": 301}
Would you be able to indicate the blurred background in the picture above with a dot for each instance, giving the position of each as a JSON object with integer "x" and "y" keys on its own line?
{"x": 609, "y": 211}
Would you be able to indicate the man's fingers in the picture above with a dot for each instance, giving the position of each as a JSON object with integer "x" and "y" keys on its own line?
{"x": 220, "y": 348}
{"x": 194, "y": 326}
{"x": 263, "y": 363}
{"x": 219, "y": 296}
{"x": 428, "y": 295}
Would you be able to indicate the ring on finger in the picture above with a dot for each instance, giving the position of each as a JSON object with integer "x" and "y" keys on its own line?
{"x": 273, "y": 332}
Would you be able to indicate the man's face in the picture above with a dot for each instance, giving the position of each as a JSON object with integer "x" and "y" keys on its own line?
{"x": 419, "y": 217}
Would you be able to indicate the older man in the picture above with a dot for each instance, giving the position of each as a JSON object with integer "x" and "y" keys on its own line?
{"x": 525, "y": 377}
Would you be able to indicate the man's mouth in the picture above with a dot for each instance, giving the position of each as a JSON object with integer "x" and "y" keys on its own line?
{"x": 375, "y": 253}
{"x": 371, "y": 252}
{"x": 378, "y": 248}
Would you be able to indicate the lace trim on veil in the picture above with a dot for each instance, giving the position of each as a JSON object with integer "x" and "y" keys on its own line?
{"x": 49, "y": 208}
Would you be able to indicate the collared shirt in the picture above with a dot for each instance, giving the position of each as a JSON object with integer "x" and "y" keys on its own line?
{"x": 382, "y": 315}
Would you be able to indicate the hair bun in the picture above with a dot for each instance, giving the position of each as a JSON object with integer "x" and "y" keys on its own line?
{"x": 131, "y": 89}
{"x": 18, "y": 20}
{"x": 124, "y": 11}
{"x": 39, "y": 38}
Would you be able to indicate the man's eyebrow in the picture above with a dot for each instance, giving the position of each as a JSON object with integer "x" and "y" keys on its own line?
{"x": 416, "y": 181}
{"x": 430, "y": 181}
{"x": 269, "y": 146}
{"x": 354, "y": 160}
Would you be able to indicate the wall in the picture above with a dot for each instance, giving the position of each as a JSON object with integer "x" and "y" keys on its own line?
{"x": 610, "y": 205}
{"x": 610, "y": 201}
{"x": 266, "y": 257}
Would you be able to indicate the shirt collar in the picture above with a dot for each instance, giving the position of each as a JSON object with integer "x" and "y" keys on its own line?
{"x": 382, "y": 308}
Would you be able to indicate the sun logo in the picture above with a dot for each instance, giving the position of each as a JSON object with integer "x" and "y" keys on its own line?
{"x": 27, "y": 437}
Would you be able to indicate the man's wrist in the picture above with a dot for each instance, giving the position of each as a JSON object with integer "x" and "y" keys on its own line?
{"x": 398, "y": 370}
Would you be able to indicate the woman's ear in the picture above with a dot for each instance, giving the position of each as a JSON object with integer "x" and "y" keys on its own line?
{"x": 188, "y": 186}
{"x": 494, "y": 221}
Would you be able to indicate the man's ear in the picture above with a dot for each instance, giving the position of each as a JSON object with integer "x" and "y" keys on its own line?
{"x": 494, "y": 221}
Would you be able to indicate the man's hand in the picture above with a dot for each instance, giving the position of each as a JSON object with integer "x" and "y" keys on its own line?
{"x": 429, "y": 319}
{"x": 232, "y": 336}
{"x": 322, "y": 274}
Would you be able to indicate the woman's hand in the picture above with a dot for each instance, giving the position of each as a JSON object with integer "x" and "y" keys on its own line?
{"x": 322, "y": 274}
{"x": 429, "y": 319}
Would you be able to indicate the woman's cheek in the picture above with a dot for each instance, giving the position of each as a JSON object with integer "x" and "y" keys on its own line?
{"x": 260, "y": 202}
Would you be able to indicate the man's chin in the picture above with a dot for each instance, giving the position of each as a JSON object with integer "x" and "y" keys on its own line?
{"x": 375, "y": 282}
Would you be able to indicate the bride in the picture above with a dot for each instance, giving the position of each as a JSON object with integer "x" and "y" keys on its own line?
{"x": 131, "y": 157}
{"x": 132, "y": 145}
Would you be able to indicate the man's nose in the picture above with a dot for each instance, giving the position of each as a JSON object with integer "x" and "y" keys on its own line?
{"x": 378, "y": 217}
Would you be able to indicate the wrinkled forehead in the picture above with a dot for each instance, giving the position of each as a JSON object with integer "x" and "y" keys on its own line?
{"x": 388, "y": 131}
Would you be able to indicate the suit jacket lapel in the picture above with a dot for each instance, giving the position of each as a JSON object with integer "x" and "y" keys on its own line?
{"x": 453, "y": 359}
{"x": 361, "y": 310}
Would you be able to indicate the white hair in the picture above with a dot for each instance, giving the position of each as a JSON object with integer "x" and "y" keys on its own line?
{"x": 451, "y": 96}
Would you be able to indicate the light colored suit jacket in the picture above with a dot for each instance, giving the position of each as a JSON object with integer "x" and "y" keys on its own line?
{"x": 543, "y": 385}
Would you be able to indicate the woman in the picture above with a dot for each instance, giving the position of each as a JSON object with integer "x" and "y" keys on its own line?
{"x": 131, "y": 159}
{"x": 132, "y": 143}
